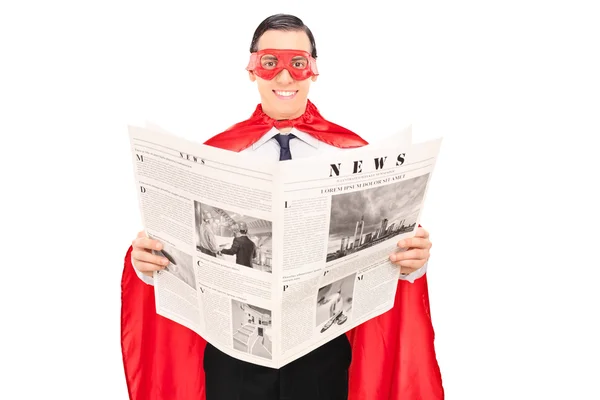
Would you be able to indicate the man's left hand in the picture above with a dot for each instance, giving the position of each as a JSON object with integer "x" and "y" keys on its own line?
{"x": 416, "y": 254}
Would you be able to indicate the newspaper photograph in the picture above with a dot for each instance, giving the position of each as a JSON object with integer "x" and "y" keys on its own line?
{"x": 181, "y": 265}
{"x": 270, "y": 260}
{"x": 362, "y": 219}
{"x": 334, "y": 303}
{"x": 252, "y": 329}
{"x": 237, "y": 238}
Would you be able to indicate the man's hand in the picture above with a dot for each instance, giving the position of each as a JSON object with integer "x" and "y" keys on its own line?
{"x": 416, "y": 254}
{"x": 142, "y": 258}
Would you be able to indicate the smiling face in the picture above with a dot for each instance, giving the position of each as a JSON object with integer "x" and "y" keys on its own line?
{"x": 283, "y": 97}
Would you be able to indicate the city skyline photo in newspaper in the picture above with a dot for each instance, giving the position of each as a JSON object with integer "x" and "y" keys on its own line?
{"x": 365, "y": 218}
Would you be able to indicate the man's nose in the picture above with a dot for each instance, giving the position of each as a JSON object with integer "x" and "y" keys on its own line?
{"x": 284, "y": 77}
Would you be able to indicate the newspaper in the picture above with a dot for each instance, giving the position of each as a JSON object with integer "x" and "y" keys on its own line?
{"x": 269, "y": 259}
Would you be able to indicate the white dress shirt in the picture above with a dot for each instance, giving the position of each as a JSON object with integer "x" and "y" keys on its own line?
{"x": 304, "y": 146}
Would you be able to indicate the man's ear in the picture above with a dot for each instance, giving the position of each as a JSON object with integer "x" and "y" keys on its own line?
{"x": 251, "y": 76}
{"x": 314, "y": 78}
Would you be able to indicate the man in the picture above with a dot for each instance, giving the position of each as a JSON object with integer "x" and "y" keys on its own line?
{"x": 390, "y": 357}
{"x": 243, "y": 248}
{"x": 207, "y": 241}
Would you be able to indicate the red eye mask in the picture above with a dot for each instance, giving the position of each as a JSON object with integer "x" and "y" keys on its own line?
{"x": 270, "y": 62}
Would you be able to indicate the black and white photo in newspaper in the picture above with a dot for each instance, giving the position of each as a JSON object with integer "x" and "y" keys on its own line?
{"x": 234, "y": 237}
{"x": 362, "y": 219}
{"x": 252, "y": 329}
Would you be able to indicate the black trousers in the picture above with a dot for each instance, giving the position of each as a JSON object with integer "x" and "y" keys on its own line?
{"x": 320, "y": 375}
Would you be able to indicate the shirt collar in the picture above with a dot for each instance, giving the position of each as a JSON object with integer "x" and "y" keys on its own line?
{"x": 306, "y": 138}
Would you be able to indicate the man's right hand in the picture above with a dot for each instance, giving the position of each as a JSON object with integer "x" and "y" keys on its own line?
{"x": 142, "y": 258}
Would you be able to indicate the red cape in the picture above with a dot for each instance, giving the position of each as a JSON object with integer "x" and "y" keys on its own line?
{"x": 393, "y": 355}
{"x": 243, "y": 134}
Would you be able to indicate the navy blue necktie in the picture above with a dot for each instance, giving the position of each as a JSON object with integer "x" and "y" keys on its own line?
{"x": 284, "y": 144}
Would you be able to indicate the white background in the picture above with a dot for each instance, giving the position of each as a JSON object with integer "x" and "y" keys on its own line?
{"x": 512, "y": 86}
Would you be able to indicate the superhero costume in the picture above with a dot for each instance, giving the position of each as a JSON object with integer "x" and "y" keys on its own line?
{"x": 393, "y": 355}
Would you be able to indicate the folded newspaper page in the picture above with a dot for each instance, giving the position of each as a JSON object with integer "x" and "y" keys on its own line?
{"x": 270, "y": 260}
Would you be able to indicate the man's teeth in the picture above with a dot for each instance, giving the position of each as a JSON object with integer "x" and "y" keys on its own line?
{"x": 285, "y": 93}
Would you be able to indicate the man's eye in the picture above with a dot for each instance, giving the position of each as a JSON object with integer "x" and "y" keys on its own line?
{"x": 269, "y": 64}
{"x": 299, "y": 64}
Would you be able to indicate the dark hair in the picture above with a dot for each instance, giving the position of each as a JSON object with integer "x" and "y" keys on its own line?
{"x": 283, "y": 22}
